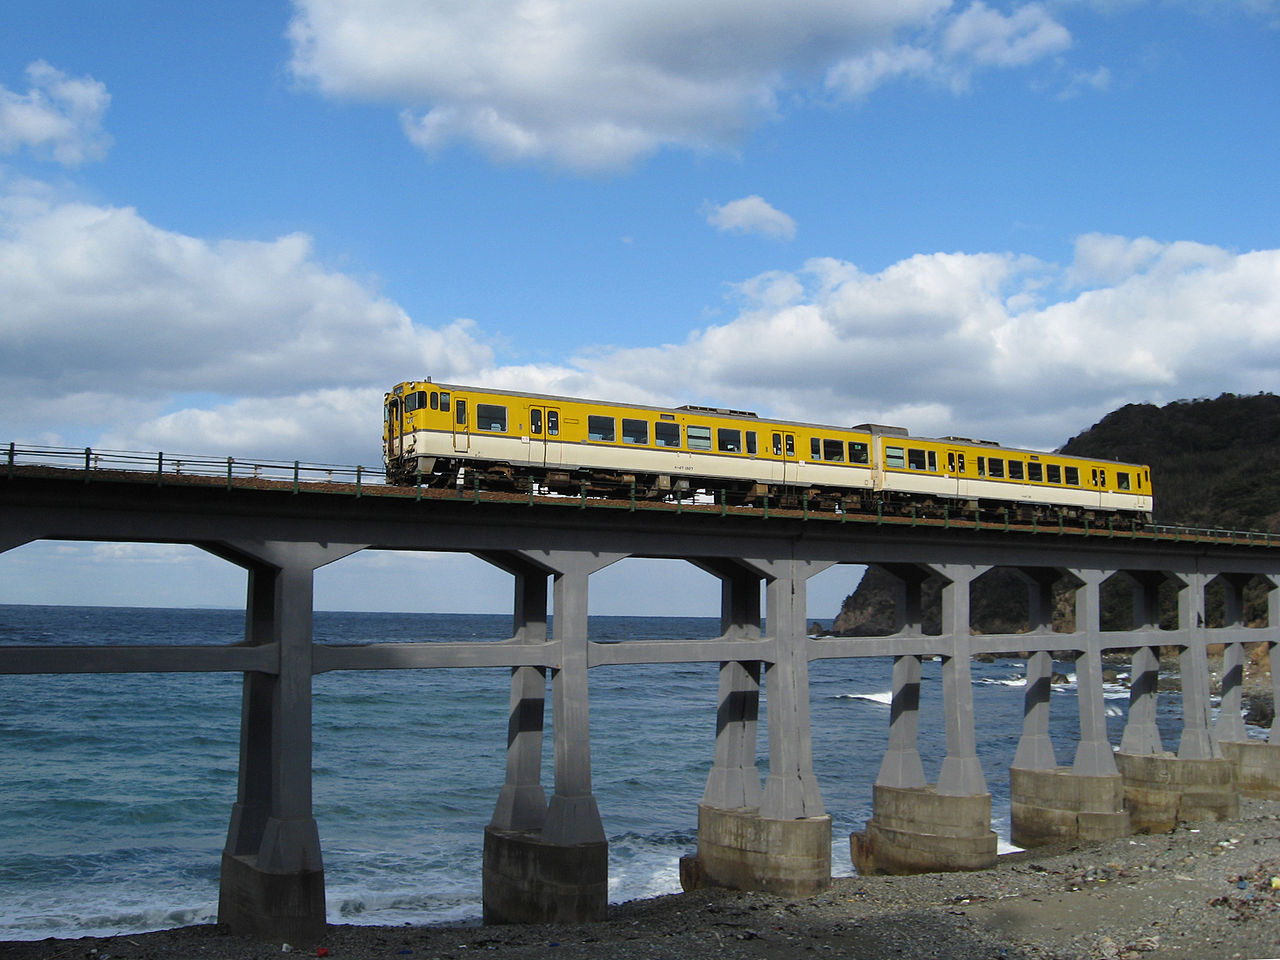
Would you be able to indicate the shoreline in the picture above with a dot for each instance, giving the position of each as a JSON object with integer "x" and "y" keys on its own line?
{"x": 1203, "y": 891}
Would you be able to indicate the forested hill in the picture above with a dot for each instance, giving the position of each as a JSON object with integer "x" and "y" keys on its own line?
{"x": 1214, "y": 463}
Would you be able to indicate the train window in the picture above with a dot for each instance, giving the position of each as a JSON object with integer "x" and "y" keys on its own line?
{"x": 415, "y": 401}
{"x": 1099, "y": 478}
{"x": 982, "y": 466}
{"x": 894, "y": 457}
{"x": 535, "y": 420}
{"x": 461, "y": 411}
{"x": 553, "y": 423}
{"x": 1035, "y": 472}
{"x": 833, "y": 450}
{"x": 491, "y": 417}
{"x": 699, "y": 438}
{"x": 1015, "y": 469}
{"x": 435, "y": 400}
{"x": 635, "y": 431}
{"x": 1122, "y": 480}
{"x": 1072, "y": 476}
{"x": 600, "y": 428}
{"x": 791, "y": 445}
{"x": 751, "y": 443}
{"x": 729, "y": 441}
{"x": 995, "y": 467}
{"x": 815, "y": 448}
{"x": 666, "y": 434}
{"x": 915, "y": 458}
{"x": 444, "y": 400}
{"x": 777, "y": 444}
{"x": 1054, "y": 472}
{"x": 858, "y": 452}
{"x": 933, "y": 460}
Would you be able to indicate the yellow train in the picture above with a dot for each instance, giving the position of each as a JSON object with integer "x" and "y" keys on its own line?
{"x": 437, "y": 433}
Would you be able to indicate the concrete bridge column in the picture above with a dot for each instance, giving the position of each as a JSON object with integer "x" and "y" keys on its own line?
{"x": 560, "y": 872}
{"x": 734, "y": 780}
{"x": 1083, "y": 802}
{"x": 922, "y": 828}
{"x": 901, "y": 766}
{"x": 1256, "y": 762}
{"x": 272, "y": 882}
{"x": 777, "y": 840}
{"x": 1161, "y": 789}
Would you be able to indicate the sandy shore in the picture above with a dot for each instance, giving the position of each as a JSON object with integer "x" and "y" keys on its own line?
{"x": 1202, "y": 892}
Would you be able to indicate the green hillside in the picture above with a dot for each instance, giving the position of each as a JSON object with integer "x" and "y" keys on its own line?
{"x": 1214, "y": 463}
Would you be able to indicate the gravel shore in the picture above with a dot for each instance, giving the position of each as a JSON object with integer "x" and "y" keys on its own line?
{"x": 1204, "y": 891}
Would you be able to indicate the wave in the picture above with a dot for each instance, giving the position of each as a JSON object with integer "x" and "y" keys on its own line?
{"x": 884, "y": 697}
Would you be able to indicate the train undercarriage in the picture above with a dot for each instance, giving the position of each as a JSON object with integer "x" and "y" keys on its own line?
{"x": 441, "y": 473}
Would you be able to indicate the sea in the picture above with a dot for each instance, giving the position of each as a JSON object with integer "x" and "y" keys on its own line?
{"x": 116, "y": 790}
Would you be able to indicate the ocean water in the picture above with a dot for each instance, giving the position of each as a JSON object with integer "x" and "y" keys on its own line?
{"x": 116, "y": 790}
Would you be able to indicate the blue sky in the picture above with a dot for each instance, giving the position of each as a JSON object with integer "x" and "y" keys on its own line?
{"x": 227, "y": 228}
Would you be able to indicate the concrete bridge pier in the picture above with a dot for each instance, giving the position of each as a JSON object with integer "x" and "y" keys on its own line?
{"x": 776, "y": 840}
{"x": 1256, "y": 762}
{"x": 272, "y": 883}
{"x": 1083, "y": 802}
{"x": 1162, "y": 789}
{"x": 916, "y": 827}
{"x": 552, "y": 865}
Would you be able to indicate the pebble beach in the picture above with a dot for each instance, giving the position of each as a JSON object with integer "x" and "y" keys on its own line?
{"x": 1201, "y": 892}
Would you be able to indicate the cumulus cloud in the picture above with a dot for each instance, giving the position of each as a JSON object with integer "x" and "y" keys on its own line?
{"x": 752, "y": 214}
{"x": 594, "y": 86}
{"x": 108, "y": 319}
{"x": 117, "y": 333}
{"x": 990, "y": 345}
{"x": 59, "y": 116}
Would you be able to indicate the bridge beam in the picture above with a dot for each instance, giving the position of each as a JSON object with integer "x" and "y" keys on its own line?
{"x": 272, "y": 881}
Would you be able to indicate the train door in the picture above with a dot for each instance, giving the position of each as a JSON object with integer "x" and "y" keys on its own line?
{"x": 395, "y": 429}
{"x": 461, "y": 426}
{"x": 544, "y": 436}
{"x": 957, "y": 468}
{"x": 784, "y": 448}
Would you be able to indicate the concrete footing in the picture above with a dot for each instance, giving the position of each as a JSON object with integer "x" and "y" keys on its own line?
{"x": 278, "y": 906}
{"x": 1058, "y": 805}
{"x": 1257, "y": 767}
{"x": 741, "y": 850}
{"x": 917, "y": 830}
{"x": 529, "y": 881}
{"x": 1161, "y": 790}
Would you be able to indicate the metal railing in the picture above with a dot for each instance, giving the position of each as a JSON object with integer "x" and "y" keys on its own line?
{"x": 165, "y": 465}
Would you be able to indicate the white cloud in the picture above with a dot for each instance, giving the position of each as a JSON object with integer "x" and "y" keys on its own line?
{"x": 59, "y": 115}
{"x": 948, "y": 49}
{"x": 752, "y": 214}
{"x": 108, "y": 319}
{"x": 594, "y": 86}
{"x": 987, "y": 36}
{"x": 131, "y": 337}
{"x": 972, "y": 344}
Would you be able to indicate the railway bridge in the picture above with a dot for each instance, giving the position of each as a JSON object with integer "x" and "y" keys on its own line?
{"x": 546, "y": 857}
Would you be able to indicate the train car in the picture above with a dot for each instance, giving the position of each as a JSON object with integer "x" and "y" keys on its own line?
{"x": 437, "y": 433}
